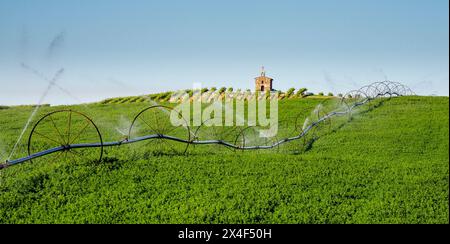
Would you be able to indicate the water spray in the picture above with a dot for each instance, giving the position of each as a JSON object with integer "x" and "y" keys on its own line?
{"x": 33, "y": 113}
{"x": 45, "y": 78}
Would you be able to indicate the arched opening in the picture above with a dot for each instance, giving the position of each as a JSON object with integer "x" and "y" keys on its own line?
{"x": 262, "y": 88}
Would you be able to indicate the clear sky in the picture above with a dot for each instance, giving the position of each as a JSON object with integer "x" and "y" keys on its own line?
{"x": 117, "y": 48}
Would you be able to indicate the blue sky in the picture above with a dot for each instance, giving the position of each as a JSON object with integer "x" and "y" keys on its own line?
{"x": 117, "y": 48}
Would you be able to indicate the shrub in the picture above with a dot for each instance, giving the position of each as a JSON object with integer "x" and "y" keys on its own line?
{"x": 107, "y": 101}
{"x": 141, "y": 100}
{"x": 117, "y": 100}
{"x": 189, "y": 92}
{"x": 222, "y": 90}
{"x": 124, "y": 100}
{"x": 290, "y": 92}
{"x": 164, "y": 96}
{"x": 153, "y": 96}
{"x": 301, "y": 92}
{"x": 134, "y": 99}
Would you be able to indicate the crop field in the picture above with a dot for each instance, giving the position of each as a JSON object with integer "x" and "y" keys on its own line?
{"x": 388, "y": 163}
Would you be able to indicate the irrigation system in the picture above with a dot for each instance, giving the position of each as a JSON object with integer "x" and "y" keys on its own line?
{"x": 64, "y": 143}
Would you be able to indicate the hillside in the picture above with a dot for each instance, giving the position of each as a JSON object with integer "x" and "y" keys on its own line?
{"x": 389, "y": 164}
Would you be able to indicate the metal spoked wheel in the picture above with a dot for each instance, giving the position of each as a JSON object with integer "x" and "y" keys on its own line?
{"x": 206, "y": 132}
{"x": 156, "y": 120}
{"x": 74, "y": 135}
{"x": 352, "y": 99}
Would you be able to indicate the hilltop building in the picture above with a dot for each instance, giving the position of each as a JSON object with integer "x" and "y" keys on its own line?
{"x": 263, "y": 82}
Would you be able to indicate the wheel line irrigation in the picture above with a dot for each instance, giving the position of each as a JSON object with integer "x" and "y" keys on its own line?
{"x": 349, "y": 102}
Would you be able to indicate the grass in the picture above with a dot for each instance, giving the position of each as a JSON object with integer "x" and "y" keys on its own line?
{"x": 389, "y": 164}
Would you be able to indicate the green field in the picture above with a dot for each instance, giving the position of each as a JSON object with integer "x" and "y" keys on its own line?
{"x": 388, "y": 164}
